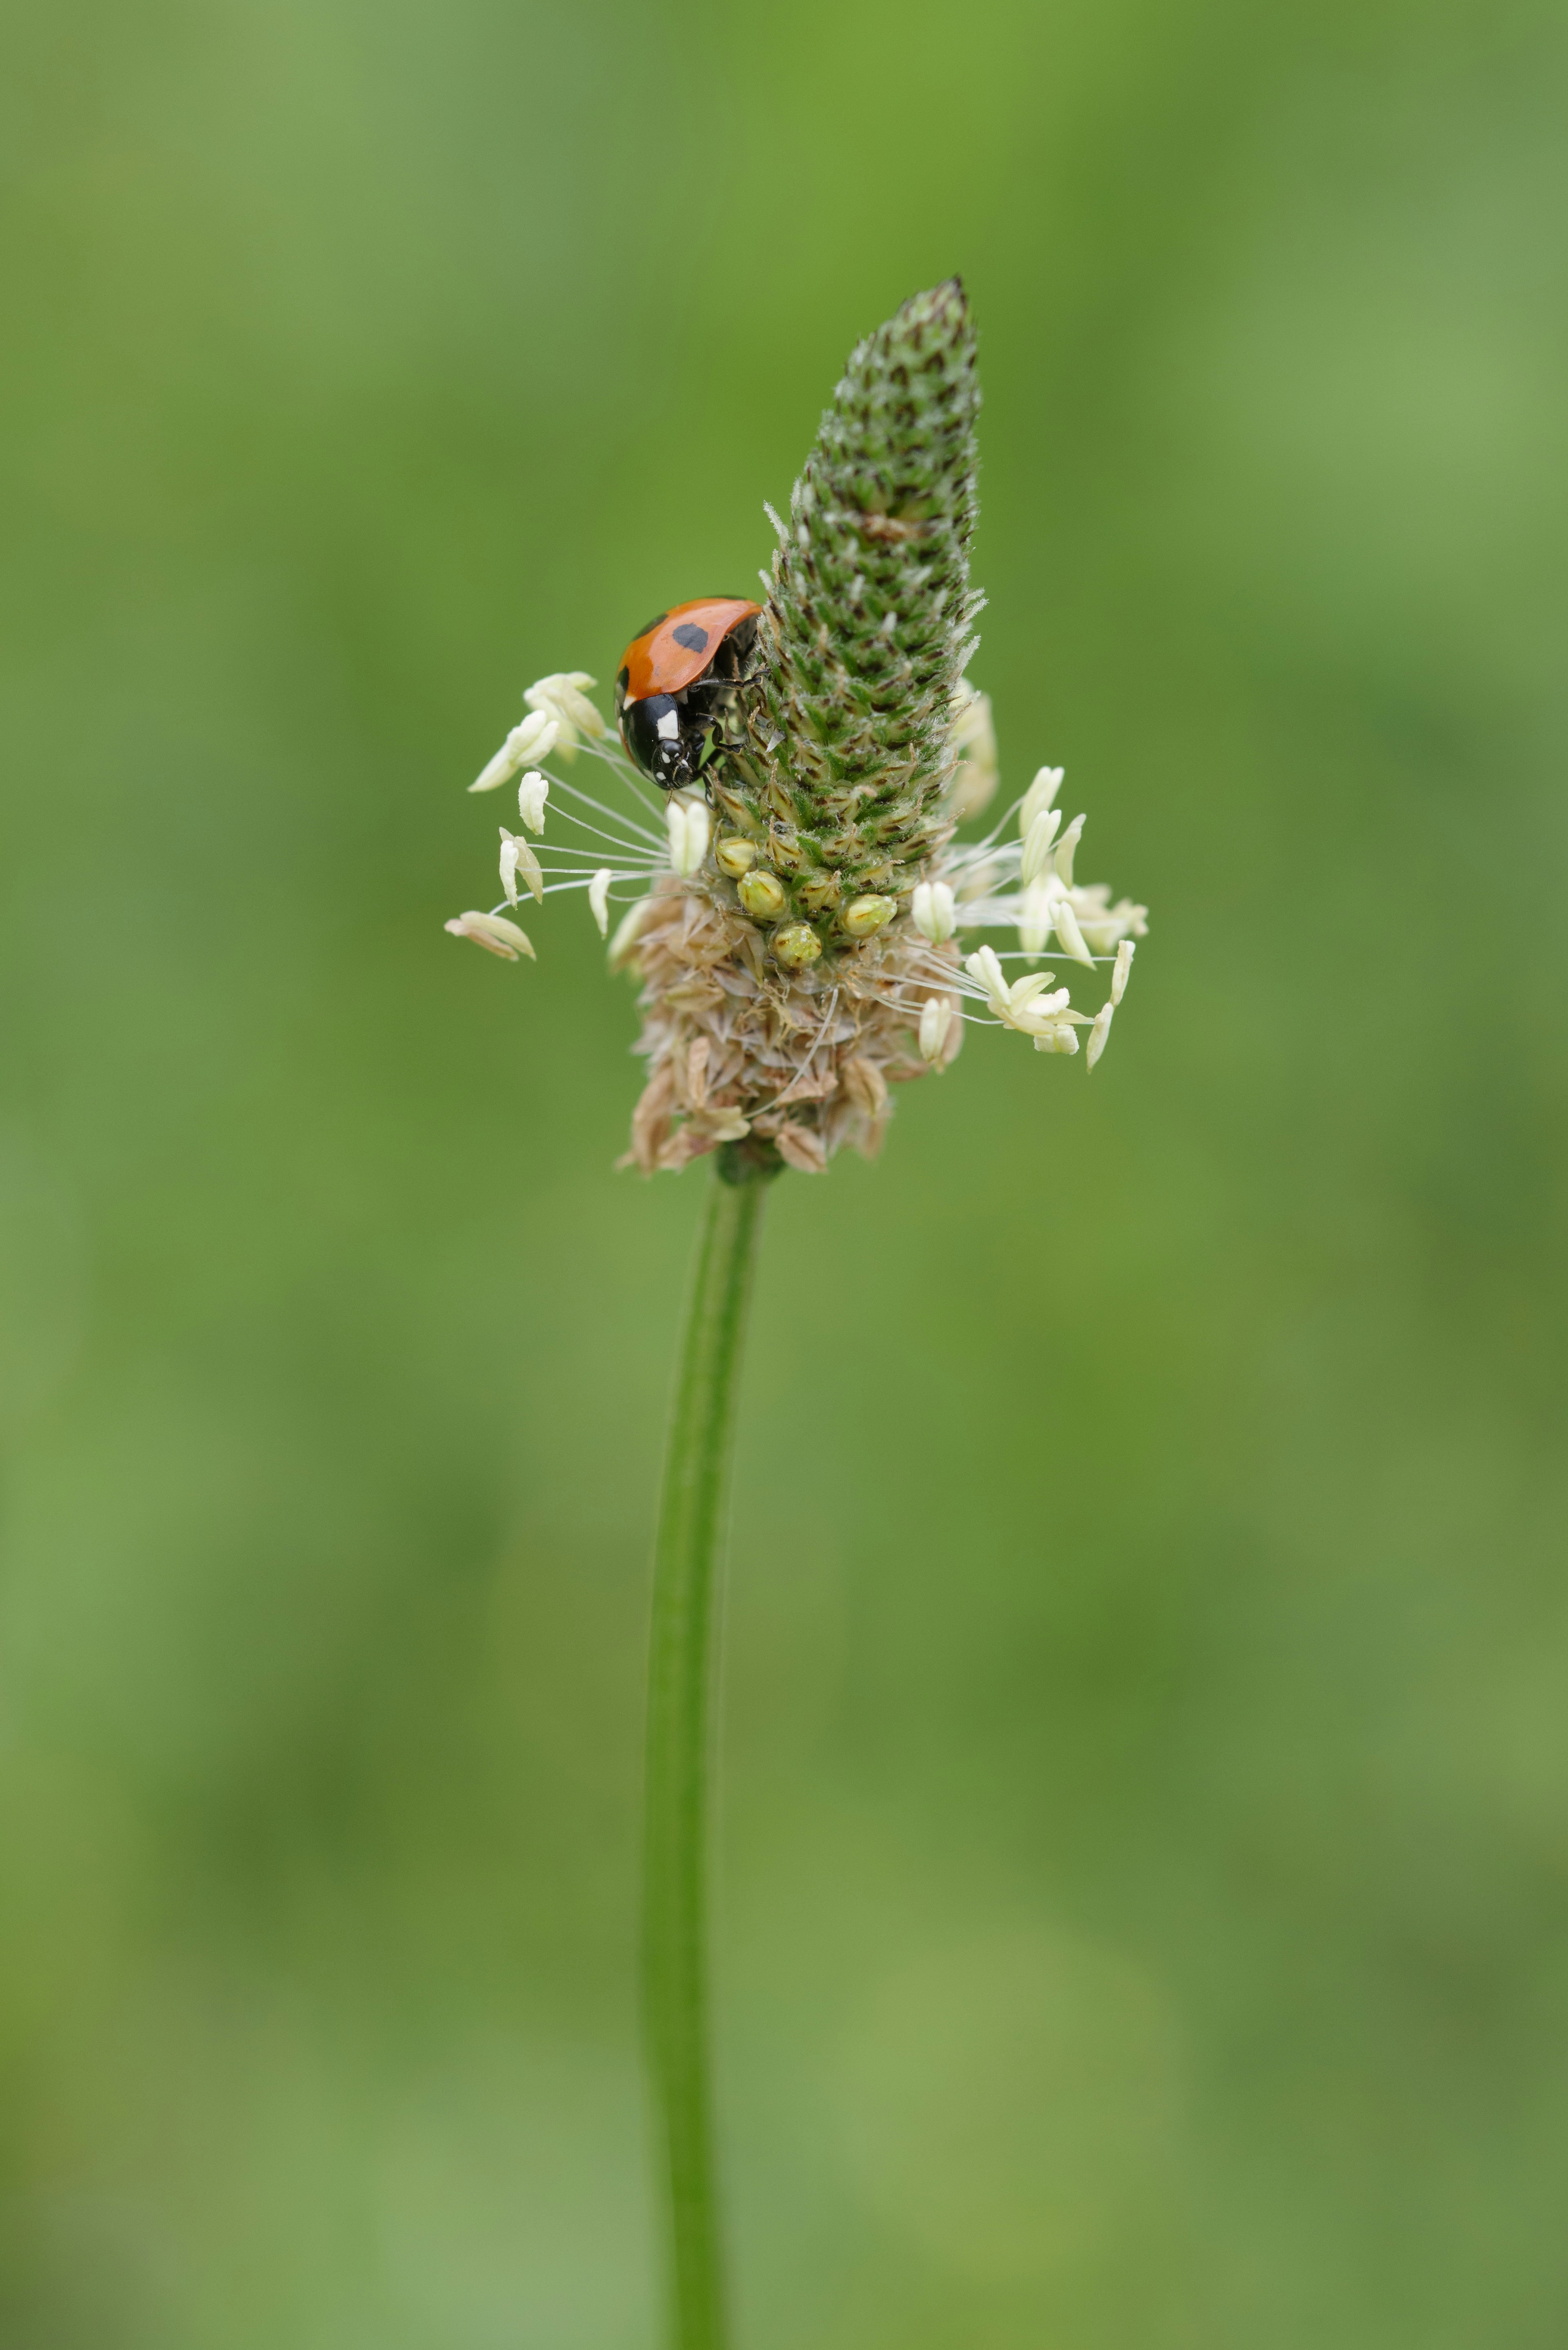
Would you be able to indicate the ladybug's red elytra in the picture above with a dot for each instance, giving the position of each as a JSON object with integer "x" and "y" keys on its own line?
{"x": 679, "y": 683}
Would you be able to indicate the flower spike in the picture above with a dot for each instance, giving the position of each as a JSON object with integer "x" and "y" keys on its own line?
{"x": 802, "y": 912}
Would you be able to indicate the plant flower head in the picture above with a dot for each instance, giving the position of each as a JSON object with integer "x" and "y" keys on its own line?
{"x": 794, "y": 916}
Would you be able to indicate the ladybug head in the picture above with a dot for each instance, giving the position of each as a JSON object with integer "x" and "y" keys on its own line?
{"x": 651, "y": 729}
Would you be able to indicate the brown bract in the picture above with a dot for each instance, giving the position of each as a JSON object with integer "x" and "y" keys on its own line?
{"x": 736, "y": 1045}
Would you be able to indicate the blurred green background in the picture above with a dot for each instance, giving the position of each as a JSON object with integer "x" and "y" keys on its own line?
{"x": 1143, "y": 1899}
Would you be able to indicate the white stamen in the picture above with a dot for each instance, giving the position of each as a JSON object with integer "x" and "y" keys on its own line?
{"x": 688, "y": 823}
{"x": 598, "y": 899}
{"x": 983, "y": 966}
{"x": 561, "y": 697}
{"x": 975, "y": 740}
{"x": 931, "y": 911}
{"x": 1037, "y": 843}
{"x": 1099, "y": 1033}
{"x": 1125, "y": 954}
{"x": 936, "y": 1019}
{"x": 1064, "y": 848}
{"x": 516, "y": 857}
{"x": 534, "y": 739}
{"x": 1070, "y": 935}
{"x": 626, "y": 931}
{"x": 494, "y": 932}
{"x": 1040, "y": 795}
{"x": 1036, "y": 908}
{"x": 532, "y": 793}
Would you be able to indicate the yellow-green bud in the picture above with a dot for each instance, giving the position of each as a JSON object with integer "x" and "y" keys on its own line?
{"x": 762, "y": 893}
{"x": 735, "y": 857}
{"x": 797, "y": 945}
{"x": 864, "y": 915}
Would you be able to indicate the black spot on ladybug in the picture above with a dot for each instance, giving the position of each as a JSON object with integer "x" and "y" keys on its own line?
{"x": 688, "y": 634}
{"x": 623, "y": 679}
{"x": 649, "y": 628}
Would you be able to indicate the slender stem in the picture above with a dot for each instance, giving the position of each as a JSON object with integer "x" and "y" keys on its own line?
{"x": 679, "y": 1742}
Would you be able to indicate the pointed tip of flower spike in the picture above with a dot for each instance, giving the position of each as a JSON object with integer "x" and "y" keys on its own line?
{"x": 1099, "y": 1033}
{"x": 598, "y": 899}
{"x": 1125, "y": 954}
{"x": 493, "y": 933}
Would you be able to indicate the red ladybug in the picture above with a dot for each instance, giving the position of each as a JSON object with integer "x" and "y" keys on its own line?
{"x": 678, "y": 685}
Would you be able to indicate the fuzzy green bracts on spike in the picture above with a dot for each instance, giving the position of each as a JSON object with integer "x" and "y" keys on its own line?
{"x": 867, "y": 631}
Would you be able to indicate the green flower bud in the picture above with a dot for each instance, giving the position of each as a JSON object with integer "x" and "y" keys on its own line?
{"x": 868, "y": 914}
{"x": 795, "y": 945}
{"x": 762, "y": 894}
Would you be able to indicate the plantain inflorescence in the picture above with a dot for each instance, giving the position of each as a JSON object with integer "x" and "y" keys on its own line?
{"x": 795, "y": 929}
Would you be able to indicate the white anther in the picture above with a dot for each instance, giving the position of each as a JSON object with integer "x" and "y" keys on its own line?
{"x": 1064, "y": 848}
{"x": 983, "y": 966}
{"x": 936, "y": 1020}
{"x": 688, "y": 823}
{"x": 975, "y": 740}
{"x": 1099, "y": 1031}
{"x": 561, "y": 697}
{"x": 598, "y": 899}
{"x": 1070, "y": 937}
{"x": 532, "y": 793}
{"x": 1037, "y": 911}
{"x": 1037, "y": 843}
{"x": 1040, "y": 795}
{"x": 1125, "y": 954}
{"x": 534, "y": 739}
{"x": 517, "y": 857}
{"x": 627, "y": 931}
{"x": 494, "y": 931}
{"x": 931, "y": 912}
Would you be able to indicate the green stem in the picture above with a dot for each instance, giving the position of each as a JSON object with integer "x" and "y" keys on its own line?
{"x": 680, "y": 1678}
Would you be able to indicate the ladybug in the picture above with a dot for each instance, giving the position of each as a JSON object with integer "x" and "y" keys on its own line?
{"x": 677, "y": 686}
